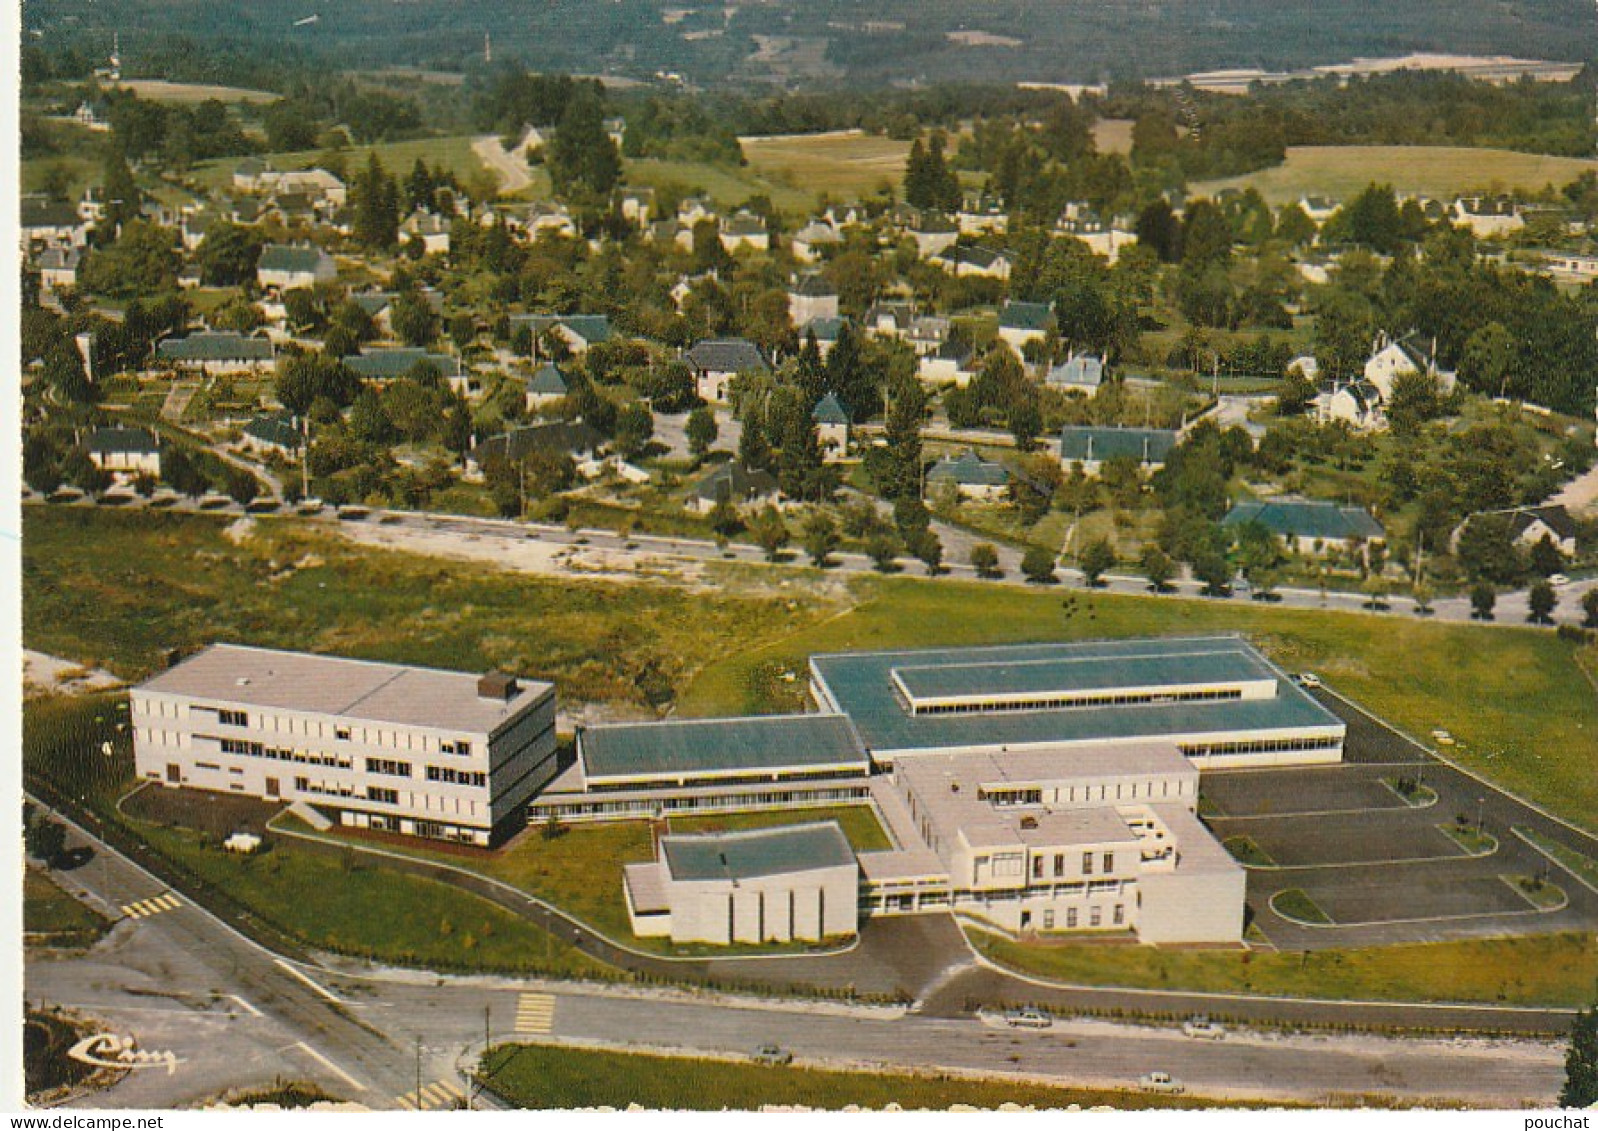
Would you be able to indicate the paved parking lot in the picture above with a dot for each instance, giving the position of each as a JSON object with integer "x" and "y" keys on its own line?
{"x": 1382, "y": 870}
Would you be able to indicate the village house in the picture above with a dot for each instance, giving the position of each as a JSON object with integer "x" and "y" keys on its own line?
{"x": 735, "y": 485}
{"x": 285, "y": 268}
{"x": 1530, "y": 525}
{"x": 716, "y": 362}
{"x": 742, "y": 230}
{"x": 1023, "y": 322}
{"x": 216, "y": 354}
{"x": 1083, "y": 372}
{"x": 972, "y": 476}
{"x": 811, "y": 297}
{"x": 579, "y": 332}
{"x": 965, "y": 262}
{"x": 125, "y": 452}
{"x": 1092, "y": 445}
{"x": 273, "y": 433}
{"x": 546, "y": 385}
{"x": 832, "y": 427}
{"x": 1309, "y": 526}
{"x": 810, "y": 242}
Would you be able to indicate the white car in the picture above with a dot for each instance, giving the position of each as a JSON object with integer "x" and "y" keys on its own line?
{"x": 1202, "y": 1028}
{"x": 1309, "y": 679}
{"x": 1161, "y": 1082}
{"x": 1558, "y": 580}
{"x": 1028, "y": 1019}
{"x": 1443, "y": 738}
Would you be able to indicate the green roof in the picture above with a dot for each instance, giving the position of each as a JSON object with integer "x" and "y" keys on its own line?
{"x": 694, "y": 748}
{"x": 389, "y": 364}
{"x": 759, "y": 852}
{"x": 1026, "y": 316}
{"x": 1084, "y": 674}
{"x": 860, "y": 684}
{"x": 276, "y": 429}
{"x": 548, "y": 380}
{"x": 829, "y": 411}
{"x": 279, "y": 257}
{"x": 969, "y": 470}
{"x": 591, "y": 328}
{"x": 220, "y": 346}
{"x": 1295, "y": 518}
{"x": 1085, "y": 442}
{"x": 122, "y": 441}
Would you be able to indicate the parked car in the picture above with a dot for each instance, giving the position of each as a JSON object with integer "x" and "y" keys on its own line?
{"x": 1028, "y": 1019}
{"x": 1309, "y": 679}
{"x": 1161, "y": 1082}
{"x": 1202, "y": 1028}
{"x": 1558, "y": 580}
{"x": 1443, "y": 738}
{"x": 772, "y": 1055}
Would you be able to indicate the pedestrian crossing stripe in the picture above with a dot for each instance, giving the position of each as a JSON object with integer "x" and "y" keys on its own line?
{"x": 143, "y": 908}
{"x": 535, "y": 1013}
{"x": 438, "y": 1095}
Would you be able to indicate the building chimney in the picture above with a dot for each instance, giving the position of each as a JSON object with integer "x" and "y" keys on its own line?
{"x": 497, "y": 685}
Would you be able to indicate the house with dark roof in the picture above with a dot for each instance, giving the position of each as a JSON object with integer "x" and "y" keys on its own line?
{"x": 49, "y": 223}
{"x": 1091, "y": 445}
{"x": 578, "y": 331}
{"x": 891, "y": 318}
{"x": 715, "y": 362}
{"x": 125, "y": 452}
{"x": 1081, "y": 371}
{"x": 744, "y": 229}
{"x": 379, "y": 306}
{"x": 734, "y": 484}
{"x": 546, "y": 385}
{"x": 972, "y": 476}
{"x": 1530, "y": 525}
{"x": 563, "y": 437}
{"x": 384, "y": 365}
{"x": 832, "y": 426}
{"x": 286, "y": 267}
{"x": 826, "y": 331}
{"x": 58, "y": 267}
{"x": 811, "y": 297}
{"x": 431, "y": 230}
{"x": 953, "y": 361}
{"x": 272, "y": 433}
{"x": 963, "y": 262}
{"x": 811, "y": 241}
{"x": 1023, "y": 322}
{"x": 1357, "y": 403}
{"x": 1309, "y": 526}
{"x": 216, "y": 352}
{"x": 1401, "y": 357}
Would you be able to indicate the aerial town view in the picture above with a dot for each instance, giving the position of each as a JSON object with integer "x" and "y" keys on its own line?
{"x": 771, "y": 556}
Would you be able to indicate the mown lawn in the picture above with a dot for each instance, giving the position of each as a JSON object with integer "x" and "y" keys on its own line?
{"x": 47, "y": 910}
{"x": 118, "y": 589}
{"x": 1524, "y": 714}
{"x": 1552, "y": 970}
{"x": 546, "y": 1077}
{"x": 726, "y": 185}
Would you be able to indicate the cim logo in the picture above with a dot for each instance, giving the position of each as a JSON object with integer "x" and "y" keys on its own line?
{"x": 107, "y": 1050}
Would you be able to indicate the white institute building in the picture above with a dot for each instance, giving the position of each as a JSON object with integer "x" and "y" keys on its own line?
{"x": 1046, "y": 787}
{"x": 403, "y": 749}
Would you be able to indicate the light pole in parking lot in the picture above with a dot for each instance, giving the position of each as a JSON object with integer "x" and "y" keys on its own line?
{"x": 1481, "y": 812}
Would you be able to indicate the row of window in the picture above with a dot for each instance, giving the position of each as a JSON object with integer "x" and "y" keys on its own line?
{"x": 1039, "y": 863}
{"x": 648, "y": 806}
{"x": 1083, "y": 699}
{"x": 388, "y": 767}
{"x": 1095, "y": 917}
{"x": 313, "y": 728}
{"x": 233, "y": 718}
{"x": 1259, "y": 746}
{"x": 456, "y": 777}
{"x": 260, "y": 750}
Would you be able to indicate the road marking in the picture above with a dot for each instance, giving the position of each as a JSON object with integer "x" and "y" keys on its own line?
{"x": 437, "y": 1096}
{"x": 248, "y": 1008}
{"x": 535, "y": 1013}
{"x": 144, "y": 908}
{"x": 323, "y": 990}
{"x": 329, "y": 1065}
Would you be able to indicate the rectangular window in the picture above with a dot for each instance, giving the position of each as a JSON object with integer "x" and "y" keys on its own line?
{"x": 233, "y": 718}
{"x": 1120, "y": 914}
{"x": 1109, "y": 862}
{"x": 1087, "y": 863}
{"x": 386, "y": 796}
{"x": 1037, "y": 867}
{"x": 1059, "y": 864}
{"x": 341, "y": 733}
{"x": 1048, "y": 920}
{"x": 1070, "y": 918}
{"x": 389, "y": 767}
{"x": 1095, "y": 916}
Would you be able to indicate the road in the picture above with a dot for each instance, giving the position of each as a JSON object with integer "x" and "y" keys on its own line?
{"x": 237, "y": 1016}
{"x": 513, "y": 173}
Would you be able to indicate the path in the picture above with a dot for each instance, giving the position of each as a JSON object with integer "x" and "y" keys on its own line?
{"x": 513, "y": 172}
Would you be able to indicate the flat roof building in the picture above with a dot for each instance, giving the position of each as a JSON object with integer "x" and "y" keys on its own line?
{"x": 403, "y": 749}
{"x": 709, "y": 751}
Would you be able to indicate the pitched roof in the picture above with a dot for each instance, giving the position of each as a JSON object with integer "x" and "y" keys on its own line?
{"x": 563, "y": 436}
{"x": 829, "y": 411}
{"x": 979, "y": 257}
{"x": 275, "y": 428}
{"x": 1306, "y": 518}
{"x": 744, "y": 224}
{"x": 758, "y": 852}
{"x": 1080, "y": 369}
{"x": 215, "y": 346}
{"x": 969, "y": 470}
{"x": 1026, "y": 316}
{"x": 812, "y": 286}
{"x": 727, "y": 355}
{"x": 281, "y": 257}
{"x": 38, "y": 212}
{"x": 123, "y": 441}
{"x": 591, "y": 328}
{"x": 548, "y": 381}
{"x": 388, "y": 364}
{"x": 1088, "y": 442}
{"x": 734, "y": 483}
{"x": 825, "y": 329}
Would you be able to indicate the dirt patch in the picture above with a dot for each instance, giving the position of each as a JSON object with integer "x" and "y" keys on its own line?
{"x": 216, "y": 814}
{"x": 51, "y": 675}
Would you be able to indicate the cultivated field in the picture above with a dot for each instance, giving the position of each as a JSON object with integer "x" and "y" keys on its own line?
{"x": 1342, "y": 171}
{"x": 1113, "y": 135}
{"x": 158, "y": 90}
{"x": 847, "y": 163}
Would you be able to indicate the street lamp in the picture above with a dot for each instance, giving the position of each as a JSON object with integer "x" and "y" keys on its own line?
{"x": 1481, "y": 810}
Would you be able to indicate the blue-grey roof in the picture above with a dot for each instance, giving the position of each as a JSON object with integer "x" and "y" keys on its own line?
{"x": 969, "y": 470}
{"x": 1301, "y": 518}
{"x": 591, "y": 328}
{"x": 389, "y": 364}
{"x": 280, "y": 257}
{"x": 861, "y": 685}
{"x": 1088, "y": 442}
{"x": 758, "y": 852}
{"x": 1077, "y": 674}
{"x": 728, "y": 355}
{"x": 548, "y": 381}
{"x": 1026, "y": 316}
{"x": 825, "y": 329}
{"x": 123, "y": 441}
{"x": 218, "y": 346}
{"x": 734, "y": 483}
{"x": 275, "y": 429}
{"x": 700, "y": 748}
{"x": 829, "y": 411}
{"x": 1082, "y": 370}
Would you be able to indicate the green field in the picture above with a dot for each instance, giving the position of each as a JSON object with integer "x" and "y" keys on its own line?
{"x": 1581, "y": 865}
{"x": 1551, "y": 970}
{"x": 1514, "y": 697}
{"x": 544, "y": 1077}
{"x": 55, "y": 916}
{"x": 454, "y": 153}
{"x": 1341, "y": 171}
{"x": 844, "y": 165}
{"x": 726, "y": 185}
{"x": 157, "y": 90}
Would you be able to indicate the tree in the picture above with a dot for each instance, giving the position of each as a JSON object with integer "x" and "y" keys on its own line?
{"x": 40, "y": 465}
{"x": 84, "y": 474}
{"x": 181, "y": 474}
{"x": 413, "y": 320}
{"x": 45, "y": 839}
{"x": 701, "y": 430}
{"x": 1094, "y": 559}
{"x": 1488, "y": 359}
{"x": 1157, "y": 567}
{"x": 143, "y": 261}
{"x": 901, "y": 470}
{"x": 1371, "y": 219}
{"x": 1482, "y": 599}
{"x": 376, "y": 206}
{"x": 635, "y": 427}
{"x": 1546, "y": 560}
{"x": 1211, "y": 567}
{"x": 883, "y": 548}
{"x": 1487, "y": 549}
{"x": 769, "y": 531}
{"x": 985, "y": 559}
{"x": 928, "y": 549}
{"x": 1541, "y": 600}
{"x": 228, "y": 254}
{"x": 1589, "y": 606}
{"x": 820, "y": 538}
{"x": 1038, "y": 565}
{"x": 582, "y": 158}
{"x": 242, "y": 487}
{"x": 1422, "y": 594}
{"x": 1581, "y": 1061}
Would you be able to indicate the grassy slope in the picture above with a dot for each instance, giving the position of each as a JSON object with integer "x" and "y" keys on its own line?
{"x": 1342, "y": 171}
{"x": 1540, "y": 970}
{"x": 844, "y": 166}
{"x": 544, "y": 1077}
{"x": 454, "y": 153}
{"x": 1523, "y": 712}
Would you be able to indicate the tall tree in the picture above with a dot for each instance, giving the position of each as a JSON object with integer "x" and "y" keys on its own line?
{"x": 1581, "y": 1062}
{"x": 584, "y": 163}
{"x": 901, "y": 470}
{"x": 376, "y": 206}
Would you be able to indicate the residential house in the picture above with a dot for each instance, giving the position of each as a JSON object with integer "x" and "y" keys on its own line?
{"x": 1023, "y": 322}
{"x": 379, "y": 306}
{"x": 813, "y": 240}
{"x": 92, "y": 116}
{"x": 832, "y": 426}
{"x": 1318, "y": 208}
{"x": 933, "y": 232}
{"x": 1309, "y": 526}
{"x": 826, "y": 332}
{"x": 546, "y": 385}
{"x": 744, "y": 229}
{"x": 58, "y": 268}
{"x": 284, "y": 267}
{"x": 1359, "y": 404}
{"x": 954, "y": 361}
{"x": 272, "y": 434}
{"x": 811, "y": 297}
{"x": 563, "y": 437}
{"x": 966, "y": 262}
{"x": 1530, "y": 525}
{"x": 716, "y": 362}
{"x": 125, "y": 452}
{"x": 890, "y": 318}
{"x": 383, "y": 365}
{"x": 1488, "y": 217}
{"x": 981, "y": 214}
{"x": 432, "y": 231}
{"x": 216, "y": 353}
{"x": 578, "y": 331}
{"x": 1102, "y": 237}
{"x": 926, "y": 334}
{"x": 1083, "y": 372}
{"x": 636, "y": 205}
{"x": 693, "y": 209}
{"x": 1091, "y": 445}
{"x": 49, "y": 223}
{"x": 735, "y": 485}
{"x": 1403, "y": 357}
{"x": 973, "y": 477}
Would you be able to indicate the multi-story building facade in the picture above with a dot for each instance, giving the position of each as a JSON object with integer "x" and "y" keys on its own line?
{"x": 402, "y": 749}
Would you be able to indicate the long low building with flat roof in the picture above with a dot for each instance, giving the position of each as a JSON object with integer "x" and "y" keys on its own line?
{"x": 392, "y": 747}
{"x": 693, "y": 752}
{"x": 1216, "y": 698}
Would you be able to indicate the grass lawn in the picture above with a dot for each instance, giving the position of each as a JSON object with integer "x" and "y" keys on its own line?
{"x": 727, "y": 185}
{"x": 548, "y": 1076}
{"x": 858, "y": 822}
{"x": 1579, "y": 863}
{"x": 1473, "y": 841}
{"x": 1538, "y": 892}
{"x": 1515, "y": 697}
{"x": 49, "y": 911}
{"x": 115, "y": 589}
{"x": 1245, "y": 851}
{"x": 1341, "y": 171}
{"x": 454, "y": 153}
{"x": 848, "y": 165}
{"x": 1553, "y": 970}
{"x": 1294, "y": 904}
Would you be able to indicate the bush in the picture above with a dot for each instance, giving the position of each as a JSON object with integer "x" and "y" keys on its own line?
{"x": 1038, "y": 565}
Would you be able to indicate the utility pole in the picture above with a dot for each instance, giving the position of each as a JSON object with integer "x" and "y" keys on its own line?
{"x": 418, "y": 1071}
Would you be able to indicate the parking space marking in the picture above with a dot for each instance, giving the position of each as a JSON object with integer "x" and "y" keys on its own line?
{"x": 144, "y": 908}
{"x": 440, "y": 1095}
{"x": 535, "y": 1013}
